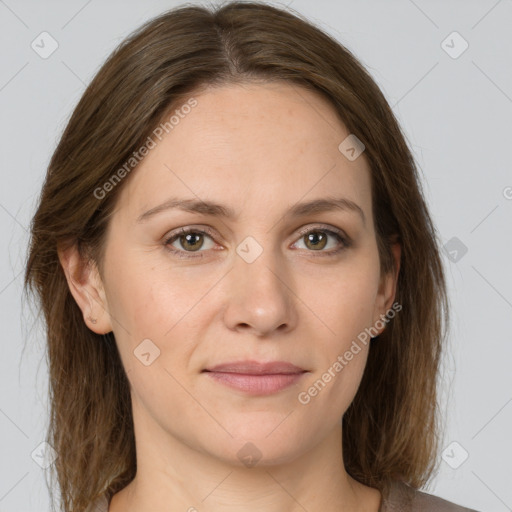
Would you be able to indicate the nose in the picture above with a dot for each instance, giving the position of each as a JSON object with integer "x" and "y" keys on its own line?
{"x": 260, "y": 296}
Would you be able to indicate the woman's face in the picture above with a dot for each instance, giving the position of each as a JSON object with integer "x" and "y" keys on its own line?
{"x": 248, "y": 286}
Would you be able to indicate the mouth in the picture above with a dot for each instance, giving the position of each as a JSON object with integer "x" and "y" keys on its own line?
{"x": 255, "y": 378}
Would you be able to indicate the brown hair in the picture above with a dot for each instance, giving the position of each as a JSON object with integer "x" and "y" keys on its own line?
{"x": 391, "y": 429}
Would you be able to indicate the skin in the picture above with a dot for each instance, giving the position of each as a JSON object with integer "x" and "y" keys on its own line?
{"x": 258, "y": 149}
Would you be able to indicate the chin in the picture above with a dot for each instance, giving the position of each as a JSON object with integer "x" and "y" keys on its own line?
{"x": 257, "y": 454}
{"x": 260, "y": 442}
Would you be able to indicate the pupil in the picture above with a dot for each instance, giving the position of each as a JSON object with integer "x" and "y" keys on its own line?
{"x": 316, "y": 239}
{"x": 189, "y": 238}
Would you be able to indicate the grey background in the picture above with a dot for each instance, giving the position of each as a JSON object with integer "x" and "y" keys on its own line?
{"x": 456, "y": 113}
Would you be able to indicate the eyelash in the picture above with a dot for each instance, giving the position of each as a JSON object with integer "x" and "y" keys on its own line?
{"x": 338, "y": 235}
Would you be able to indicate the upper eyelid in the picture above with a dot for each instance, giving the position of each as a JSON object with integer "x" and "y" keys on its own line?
{"x": 324, "y": 227}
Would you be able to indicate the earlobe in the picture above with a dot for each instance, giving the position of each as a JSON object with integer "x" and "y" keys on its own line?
{"x": 85, "y": 285}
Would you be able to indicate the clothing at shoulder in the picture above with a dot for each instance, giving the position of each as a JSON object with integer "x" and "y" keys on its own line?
{"x": 403, "y": 498}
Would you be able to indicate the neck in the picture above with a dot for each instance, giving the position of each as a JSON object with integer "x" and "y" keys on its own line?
{"x": 172, "y": 476}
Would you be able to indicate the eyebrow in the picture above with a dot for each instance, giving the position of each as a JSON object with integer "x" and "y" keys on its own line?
{"x": 218, "y": 210}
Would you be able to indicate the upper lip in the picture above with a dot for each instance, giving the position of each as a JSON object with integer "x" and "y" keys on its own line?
{"x": 256, "y": 368}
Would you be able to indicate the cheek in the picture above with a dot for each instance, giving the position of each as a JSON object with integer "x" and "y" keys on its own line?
{"x": 330, "y": 390}
{"x": 344, "y": 303}
{"x": 345, "y": 308}
{"x": 151, "y": 302}
{"x": 346, "y": 382}
{"x": 142, "y": 295}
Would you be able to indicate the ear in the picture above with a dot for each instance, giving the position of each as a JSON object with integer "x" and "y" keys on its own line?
{"x": 387, "y": 286}
{"x": 86, "y": 286}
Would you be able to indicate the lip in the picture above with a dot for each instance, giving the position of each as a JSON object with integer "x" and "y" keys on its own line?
{"x": 250, "y": 367}
{"x": 256, "y": 378}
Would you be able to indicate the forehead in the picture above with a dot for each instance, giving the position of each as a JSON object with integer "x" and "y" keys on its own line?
{"x": 252, "y": 146}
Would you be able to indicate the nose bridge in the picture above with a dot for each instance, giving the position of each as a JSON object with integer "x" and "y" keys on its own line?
{"x": 260, "y": 292}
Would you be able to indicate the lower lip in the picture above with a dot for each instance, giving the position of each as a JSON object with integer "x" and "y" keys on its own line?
{"x": 256, "y": 384}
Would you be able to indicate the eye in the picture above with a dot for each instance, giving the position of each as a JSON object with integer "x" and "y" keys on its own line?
{"x": 189, "y": 240}
{"x": 318, "y": 238}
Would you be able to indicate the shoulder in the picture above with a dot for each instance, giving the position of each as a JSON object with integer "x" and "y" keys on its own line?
{"x": 403, "y": 498}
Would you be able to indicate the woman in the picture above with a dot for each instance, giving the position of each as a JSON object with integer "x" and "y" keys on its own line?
{"x": 244, "y": 297}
